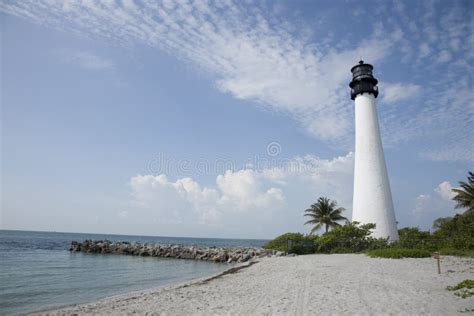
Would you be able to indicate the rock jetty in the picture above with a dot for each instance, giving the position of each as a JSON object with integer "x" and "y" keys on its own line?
{"x": 213, "y": 254}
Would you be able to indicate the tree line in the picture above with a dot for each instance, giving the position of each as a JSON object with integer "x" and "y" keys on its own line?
{"x": 451, "y": 235}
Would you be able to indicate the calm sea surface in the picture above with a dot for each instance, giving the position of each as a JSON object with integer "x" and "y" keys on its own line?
{"x": 37, "y": 271}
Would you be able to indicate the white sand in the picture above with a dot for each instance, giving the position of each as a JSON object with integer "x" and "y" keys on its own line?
{"x": 313, "y": 284}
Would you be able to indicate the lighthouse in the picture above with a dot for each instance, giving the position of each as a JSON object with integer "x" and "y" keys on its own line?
{"x": 372, "y": 196}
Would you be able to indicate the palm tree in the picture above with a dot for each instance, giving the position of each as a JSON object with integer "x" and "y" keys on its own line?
{"x": 324, "y": 212}
{"x": 465, "y": 194}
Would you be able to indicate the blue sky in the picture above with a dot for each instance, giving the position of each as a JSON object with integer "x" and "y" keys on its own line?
{"x": 225, "y": 119}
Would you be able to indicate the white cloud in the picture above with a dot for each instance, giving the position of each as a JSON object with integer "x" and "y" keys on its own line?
{"x": 252, "y": 54}
{"x": 442, "y": 122}
{"x": 436, "y": 122}
{"x": 395, "y": 92}
{"x": 182, "y": 200}
{"x": 445, "y": 191}
{"x": 86, "y": 60}
{"x": 243, "y": 190}
{"x": 255, "y": 55}
{"x": 245, "y": 202}
{"x": 428, "y": 207}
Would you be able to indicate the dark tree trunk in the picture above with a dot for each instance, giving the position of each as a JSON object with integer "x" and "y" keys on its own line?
{"x": 327, "y": 228}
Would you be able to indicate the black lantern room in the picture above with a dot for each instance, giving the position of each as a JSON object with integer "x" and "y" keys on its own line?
{"x": 363, "y": 80}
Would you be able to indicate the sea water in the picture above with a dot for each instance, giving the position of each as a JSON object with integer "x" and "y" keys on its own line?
{"x": 37, "y": 271}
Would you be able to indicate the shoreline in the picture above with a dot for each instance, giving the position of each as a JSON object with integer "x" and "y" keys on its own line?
{"x": 340, "y": 284}
{"x": 182, "y": 284}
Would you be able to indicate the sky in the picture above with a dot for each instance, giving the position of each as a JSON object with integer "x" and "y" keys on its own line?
{"x": 225, "y": 118}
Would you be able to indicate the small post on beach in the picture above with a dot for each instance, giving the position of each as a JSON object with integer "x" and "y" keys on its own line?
{"x": 436, "y": 256}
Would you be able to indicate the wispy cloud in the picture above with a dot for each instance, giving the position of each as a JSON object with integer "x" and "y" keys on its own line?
{"x": 454, "y": 152}
{"x": 86, "y": 59}
{"x": 438, "y": 121}
{"x": 255, "y": 55}
{"x": 396, "y": 92}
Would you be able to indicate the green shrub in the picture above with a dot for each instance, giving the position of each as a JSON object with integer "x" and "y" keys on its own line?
{"x": 293, "y": 243}
{"x": 342, "y": 250}
{"x": 463, "y": 289}
{"x": 349, "y": 238}
{"x": 455, "y": 236}
{"x": 378, "y": 243}
{"x": 468, "y": 284}
{"x": 414, "y": 238}
{"x": 458, "y": 232}
{"x": 398, "y": 253}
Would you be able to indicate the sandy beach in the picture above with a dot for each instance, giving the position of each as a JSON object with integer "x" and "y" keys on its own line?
{"x": 312, "y": 284}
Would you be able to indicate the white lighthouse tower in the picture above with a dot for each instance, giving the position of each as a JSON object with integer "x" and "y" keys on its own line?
{"x": 372, "y": 196}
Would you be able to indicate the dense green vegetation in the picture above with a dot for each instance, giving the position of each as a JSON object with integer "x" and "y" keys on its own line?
{"x": 293, "y": 243}
{"x": 349, "y": 238}
{"x": 452, "y": 235}
{"x": 457, "y": 232}
{"x": 463, "y": 289}
{"x": 455, "y": 238}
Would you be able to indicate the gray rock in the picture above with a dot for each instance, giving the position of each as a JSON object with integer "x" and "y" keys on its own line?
{"x": 245, "y": 257}
{"x": 216, "y": 254}
{"x": 187, "y": 256}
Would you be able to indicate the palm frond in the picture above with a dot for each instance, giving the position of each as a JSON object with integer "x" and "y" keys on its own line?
{"x": 312, "y": 221}
{"x": 315, "y": 228}
{"x": 464, "y": 197}
{"x": 311, "y": 214}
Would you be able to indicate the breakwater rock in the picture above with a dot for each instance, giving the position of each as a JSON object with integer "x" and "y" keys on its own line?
{"x": 213, "y": 254}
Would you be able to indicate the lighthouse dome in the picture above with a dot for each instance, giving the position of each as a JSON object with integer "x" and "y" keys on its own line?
{"x": 363, "y": 80}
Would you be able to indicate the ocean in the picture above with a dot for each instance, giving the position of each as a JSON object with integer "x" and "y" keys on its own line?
{"x": 38, "y": 272}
